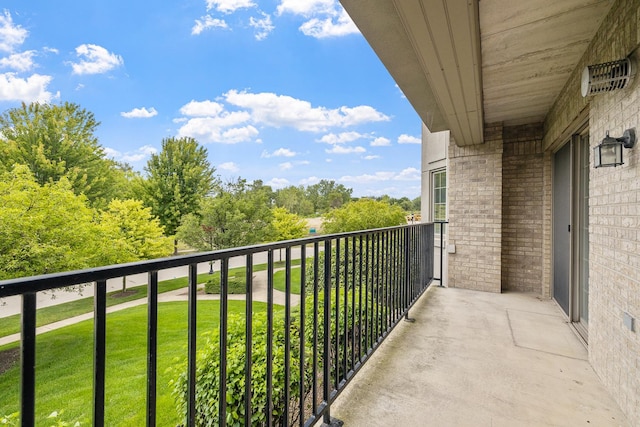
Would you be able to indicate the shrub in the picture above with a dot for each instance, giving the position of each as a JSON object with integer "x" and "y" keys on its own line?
{"x": 235, "y": 285}
{"x": 343, "y": 344}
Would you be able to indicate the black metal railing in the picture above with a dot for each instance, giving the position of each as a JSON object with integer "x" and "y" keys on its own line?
{"x": 354, "y": 289}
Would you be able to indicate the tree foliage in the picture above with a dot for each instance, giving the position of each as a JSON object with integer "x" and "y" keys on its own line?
{"x": 362, "y": 214}
{"x": 237, "y": 215}
{"x": 44, "y": 228}
{"x": 133, "y": 232}
{"x": 58, "y": 141}
{"x": 294, "y": 199}
{"x": 326, "y": 195}
{"x": 287, "y": 225}
{"x": 179, "y": 177}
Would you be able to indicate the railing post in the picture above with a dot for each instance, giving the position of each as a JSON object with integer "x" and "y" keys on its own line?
{"x": 407, "y": 275}
{"x": 441, "y": 254}
{"x": 28, "y": 360}
{"x": 191, "y": 344}
{"x": 99, "y": 351}
{"x": 152, "y": 346}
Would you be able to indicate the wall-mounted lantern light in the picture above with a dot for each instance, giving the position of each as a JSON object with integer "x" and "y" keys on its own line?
{"x": 609, "y": 152}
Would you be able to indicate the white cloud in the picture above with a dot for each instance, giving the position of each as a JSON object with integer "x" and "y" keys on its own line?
{"x": 30, "y": 89}
{"x": 201, "y": 109}
{"x": 341, "y": 138}
{"x": 371, "y": 157}
{"x": 306, "y": 8}
{"x": 229, "y": 6}
{"x": 408, "y": 139}
{"x": 207, "y": 22}
{"x": 229, "y": 167}
{"x": 210, "y": 123}
{"x": 282, "y": 110}
{"x": 140, "y": 113}
{"x": 285, "y": 166}
{"x": 368, "y": 178}
{"x": 131, "y": 156}
{"x": 340, "y": 149}
{"x": 278, "y": 182}
{"x": 408, "y": 174}
{"x": 19, "y": 61}
{"x": 262, "y": 26}
{"x": 331, "y": 26}
{"x": 380, "y": 142}
{"x": 95, "y": 59}
{"x": 235, "y": 135}
{"x": 309, "y": 181}
{"x": 325, "y": 18}
{"x": 280, "y": 152}
{"x": 11, "y": 36}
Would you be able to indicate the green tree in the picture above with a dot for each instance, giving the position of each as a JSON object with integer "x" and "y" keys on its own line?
{"x": 239, "y": 214}
{"x": 288, "y": 225}
{"x": 327, "y": 195}
{"x": 57, "y": 141}
{"x": 362, "y": 214}
{"x": 133, "y": 233}
{"x": 178, "y": 178}
{"x": 294, "y": 199}
{"x": 45, "y": 228}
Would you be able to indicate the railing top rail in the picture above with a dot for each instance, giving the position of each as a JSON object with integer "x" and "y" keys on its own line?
{"x": 45, "y": 282}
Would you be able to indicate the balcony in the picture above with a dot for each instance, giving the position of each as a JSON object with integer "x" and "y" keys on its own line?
{"x": 294, "y": 358}
{"x": 466, "y": 358}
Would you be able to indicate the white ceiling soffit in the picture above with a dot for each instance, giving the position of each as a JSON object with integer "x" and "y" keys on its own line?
{"x": 529, "y": 50}
{"x": 432, "y": 50}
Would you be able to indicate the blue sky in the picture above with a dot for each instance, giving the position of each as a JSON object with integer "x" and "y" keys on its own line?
{"x": 286, "y": 91}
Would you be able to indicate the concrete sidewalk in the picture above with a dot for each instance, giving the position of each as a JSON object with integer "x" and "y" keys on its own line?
{"x": 479, "y": 359}
{"x": 259, "y": 294}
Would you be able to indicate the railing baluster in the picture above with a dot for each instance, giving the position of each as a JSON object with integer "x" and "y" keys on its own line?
{"x": 367, "y": 330}
{"x": 192, "y": 312}
{"x": 270, "y": 338}
{"x": 326, "y": 324}
{"x": 99, "y": 351}
{"x": 302, "y": 331}
{"x": 287, "y": 334}
{"x": 152, "y": 346}
{"x": 337, "y": 320}
{"x": 248, "y": 340}
{"x": 361, "y": 329}
{"x": 28, "y": 360}
{"x": 314, "y": 380}
{"x": 345, "y": 322}
{"x": 224, "y": 323}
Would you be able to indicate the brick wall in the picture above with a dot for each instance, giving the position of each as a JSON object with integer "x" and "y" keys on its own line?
{"x": 475, "y": 213}
{"x": 614, "y": 210}
{"x": 523, "y": 209}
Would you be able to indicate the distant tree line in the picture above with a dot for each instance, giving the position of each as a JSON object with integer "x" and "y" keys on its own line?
{"x": 66, "y": 205}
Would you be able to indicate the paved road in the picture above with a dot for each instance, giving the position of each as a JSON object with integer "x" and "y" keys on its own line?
{"x": 12, "y": 305}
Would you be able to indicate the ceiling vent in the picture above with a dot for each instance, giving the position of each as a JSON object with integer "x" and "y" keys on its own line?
{"x": 606, "y": 77}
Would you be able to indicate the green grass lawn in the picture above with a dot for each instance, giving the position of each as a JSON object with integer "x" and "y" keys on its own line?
{"x": 11, "y": 324}
{"x": 44, "y": 316}
{"x": 279, "y": 280}
{"x": 64, "y": 365}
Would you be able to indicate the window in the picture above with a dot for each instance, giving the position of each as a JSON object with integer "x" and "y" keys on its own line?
{"x": 439, "y": 197}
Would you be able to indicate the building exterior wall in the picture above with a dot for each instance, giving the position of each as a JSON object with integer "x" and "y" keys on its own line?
{"x": 434, "y": 157}
{"x": 614, "y": 209}
{"x": 475, "y": 213}
{"x": 523, "y": 209}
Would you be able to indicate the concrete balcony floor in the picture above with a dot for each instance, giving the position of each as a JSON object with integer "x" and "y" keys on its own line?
{"x": 479, "y": 359}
